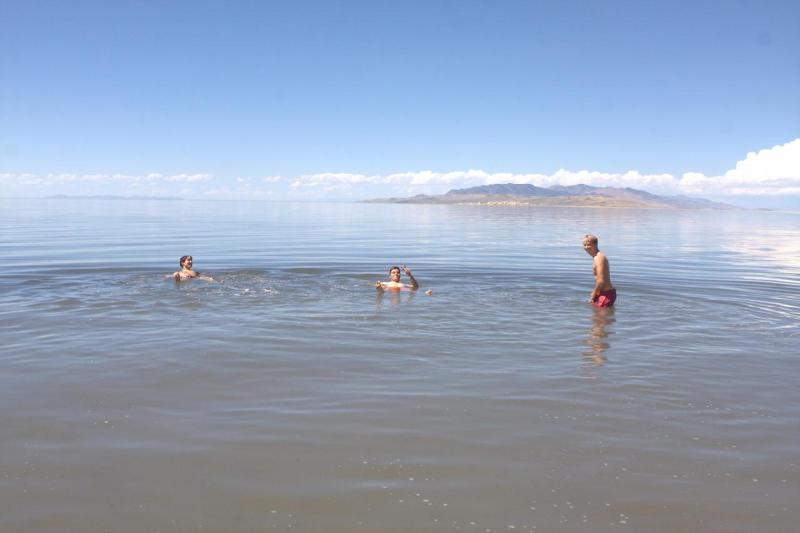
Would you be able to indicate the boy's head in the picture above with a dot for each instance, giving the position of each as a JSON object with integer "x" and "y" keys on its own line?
{"x": 590, "y": 244}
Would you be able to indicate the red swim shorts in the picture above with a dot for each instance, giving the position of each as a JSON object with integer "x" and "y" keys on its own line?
{"x": 606, "y": 298}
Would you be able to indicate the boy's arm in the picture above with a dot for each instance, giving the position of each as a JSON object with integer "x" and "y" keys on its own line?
{"x": 414, "y": 284}
{"x": 601, "y": 275}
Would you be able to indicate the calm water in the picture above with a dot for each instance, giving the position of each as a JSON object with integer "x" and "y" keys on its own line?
{"x": 292, "y": 397}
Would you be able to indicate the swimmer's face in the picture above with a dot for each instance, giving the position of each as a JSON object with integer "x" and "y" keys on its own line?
{"x": 187, "y": 263}
{"x": 394, "y": 274}
{"x": 589, "y": 247}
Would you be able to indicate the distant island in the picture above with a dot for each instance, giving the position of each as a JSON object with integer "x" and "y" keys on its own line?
{"x": 524, "y": 194}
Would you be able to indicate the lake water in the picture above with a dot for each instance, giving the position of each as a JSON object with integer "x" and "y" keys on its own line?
{"x": 291, "y": 396}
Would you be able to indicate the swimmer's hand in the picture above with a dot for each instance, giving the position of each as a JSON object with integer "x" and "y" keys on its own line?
{"x": 406, "y": 270}
{"x": 429, "y": 292}
{"x": 379, "y": 285}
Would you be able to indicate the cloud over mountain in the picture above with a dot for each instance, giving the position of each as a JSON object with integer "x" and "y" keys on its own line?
{"x": 770, "y": 172}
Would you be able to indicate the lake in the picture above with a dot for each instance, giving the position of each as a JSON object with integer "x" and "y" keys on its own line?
{"x": 292, "y": 396}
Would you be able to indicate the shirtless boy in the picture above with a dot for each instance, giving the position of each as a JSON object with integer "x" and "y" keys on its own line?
{"x": 604, "y": 293}
{"x": 186, "y": 271}
{"x": 394, "y": 283}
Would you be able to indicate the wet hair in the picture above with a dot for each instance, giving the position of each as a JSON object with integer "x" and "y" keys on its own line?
{"x": 184, "y": 258}
{"x": 397, "y": 267}
{"x": 591, "y": 239}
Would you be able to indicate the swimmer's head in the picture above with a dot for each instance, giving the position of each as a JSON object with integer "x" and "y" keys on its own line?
{"x": 394, "y": 273}
{"x": 186, "y": 259}
{"x": 590, "y": 244}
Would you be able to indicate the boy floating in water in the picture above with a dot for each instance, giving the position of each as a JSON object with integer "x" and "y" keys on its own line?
{"x": 394, "y": 283}
{"x": 604, "y": 293}
{"x": 186, "y": 271}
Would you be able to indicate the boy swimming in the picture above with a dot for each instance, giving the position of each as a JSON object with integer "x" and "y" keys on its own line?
{"x": 394, "y": 283}
{"x": 186, "y": 271}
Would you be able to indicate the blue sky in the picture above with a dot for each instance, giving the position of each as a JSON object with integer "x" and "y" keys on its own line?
{"x": 347, "y": 100}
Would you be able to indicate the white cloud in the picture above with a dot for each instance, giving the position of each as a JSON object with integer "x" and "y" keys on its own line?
{"x": 432, "y": 182}
{"x": 57, "y": 179}
{"x": 188, "y": 178}
{"x": 770, "y": 172}
{"x": 265, "y": 179}
{"x": 773, "y": 171}
{"x": 153, "y": 184}
{"x": 238, "y": 192}
{"x": 312, "y": 180}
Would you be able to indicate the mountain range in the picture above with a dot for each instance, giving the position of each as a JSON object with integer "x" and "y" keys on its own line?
{"x": 525, "y": 194}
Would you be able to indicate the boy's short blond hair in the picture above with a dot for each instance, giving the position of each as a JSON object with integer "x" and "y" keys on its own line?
{"x": 591, "y": 239}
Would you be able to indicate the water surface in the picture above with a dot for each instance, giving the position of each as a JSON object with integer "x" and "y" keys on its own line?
{"x": 293, "y": 396}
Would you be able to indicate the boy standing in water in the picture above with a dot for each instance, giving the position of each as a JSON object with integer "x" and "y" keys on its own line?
{"x": 604, "y": 293}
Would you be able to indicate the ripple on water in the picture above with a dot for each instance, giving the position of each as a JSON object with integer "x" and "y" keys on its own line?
{"x": 502, "y": 400}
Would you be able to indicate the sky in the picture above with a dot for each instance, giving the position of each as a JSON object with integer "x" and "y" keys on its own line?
{"x": 347, "y": 100}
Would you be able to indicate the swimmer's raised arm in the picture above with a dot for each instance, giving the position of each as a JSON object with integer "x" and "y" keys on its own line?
{"x": 414, "y": 284}
{"x": 394, "y": 283}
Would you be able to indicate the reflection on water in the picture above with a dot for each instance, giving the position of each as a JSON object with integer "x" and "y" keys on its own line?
{"x": 598, "y": 340}
{"x": 395, "y": 297}
{"x": 296, "y": 396}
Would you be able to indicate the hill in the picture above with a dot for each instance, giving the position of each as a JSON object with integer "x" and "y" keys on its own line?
{"x": 581, "y": 195}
